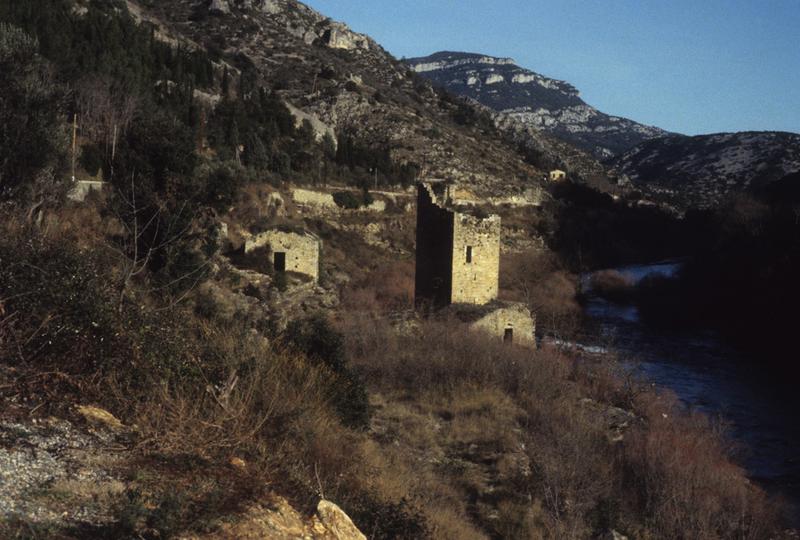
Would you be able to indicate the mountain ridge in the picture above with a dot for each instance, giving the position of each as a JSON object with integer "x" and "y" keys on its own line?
{"x": 549, "y": 105}
{"x": 701, "y": 170}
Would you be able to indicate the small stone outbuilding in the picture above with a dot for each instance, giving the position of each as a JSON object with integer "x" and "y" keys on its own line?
{"x": 511, "y": 322}
{"x": 289, "y": 250}
{"x": 557, "y": 175}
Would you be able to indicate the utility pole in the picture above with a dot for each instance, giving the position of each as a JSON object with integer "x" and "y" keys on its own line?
{"x": 74, "y": 142}
{"x": 113, "y": 151}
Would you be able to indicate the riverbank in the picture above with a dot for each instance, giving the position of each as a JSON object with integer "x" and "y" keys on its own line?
{"x": 711, "y": 376}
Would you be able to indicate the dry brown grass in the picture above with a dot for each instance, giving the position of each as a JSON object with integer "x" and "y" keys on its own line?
{"x": 272, "y": 410}
{"x": 684, "y": 482}
{"x": 480, "y": 439}
{"x": 389, "y": 287}
{"x": 484, "y": 413}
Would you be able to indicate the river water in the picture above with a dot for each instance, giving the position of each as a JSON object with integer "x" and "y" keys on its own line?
{"x": 712, "y": 377}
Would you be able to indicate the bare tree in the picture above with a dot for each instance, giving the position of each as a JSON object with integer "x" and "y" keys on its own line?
{"x": 105, "y": 114}
{"x": 144, "y": 237}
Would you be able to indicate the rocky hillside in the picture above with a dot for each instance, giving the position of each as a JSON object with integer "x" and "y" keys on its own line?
{"x": 346, "y": 82}
{"x": 162, "y": 375}
{"x": 700, "y": 171}
{"x": 535, "y": 101}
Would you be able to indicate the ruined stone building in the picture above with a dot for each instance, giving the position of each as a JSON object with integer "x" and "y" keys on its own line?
{"x": 511, "y": 321}
{"x": 289, "y": 250}
{"x": 82, "y": 188}
{"x": 458, "y": 266}
{"x": 458, "y": 253}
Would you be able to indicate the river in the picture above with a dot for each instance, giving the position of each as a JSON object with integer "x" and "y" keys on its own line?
{"x": 712, "y": 377}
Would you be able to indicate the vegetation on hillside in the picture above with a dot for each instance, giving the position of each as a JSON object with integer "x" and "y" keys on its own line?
{"x": 484, "y": 428}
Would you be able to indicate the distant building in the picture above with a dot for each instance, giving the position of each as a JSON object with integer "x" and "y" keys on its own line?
{"x": 557, "y": 175}
{"x": 289, "y": 250}
{"x": 458, "y": 266}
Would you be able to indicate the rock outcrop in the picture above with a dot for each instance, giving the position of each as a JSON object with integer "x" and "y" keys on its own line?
{"x": 339, "y": 36}
{"x": 219, "y": 6}
{"x": 100, "y": 417}
{"x": 278, "y": 520}
{"x": 344, "y": 83}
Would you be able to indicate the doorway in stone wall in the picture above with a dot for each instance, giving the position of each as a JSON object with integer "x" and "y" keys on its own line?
{"x": 280, "y": 261}
{"x": 508, "y": 335}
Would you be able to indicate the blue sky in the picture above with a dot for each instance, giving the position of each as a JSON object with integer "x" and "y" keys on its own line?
{"x": 691, "y": 66}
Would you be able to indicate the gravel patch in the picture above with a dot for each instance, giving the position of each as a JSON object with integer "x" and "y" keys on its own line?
{"x": 52, "y": 472}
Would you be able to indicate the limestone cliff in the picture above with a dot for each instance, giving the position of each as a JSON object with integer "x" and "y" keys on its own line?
{"x": 533, "y": 100}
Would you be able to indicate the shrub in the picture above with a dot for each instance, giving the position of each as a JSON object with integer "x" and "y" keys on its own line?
{"x": 61, "y": 300}
{"x": 316, "y": 338}
{"x": 268, "y": 406}
{"x": 222, "y": 187}
{"x": 66, "y": 315}
{"x": 683, "y": 480}
{"x": 670, "y": 477}
{"x": 540, "y": 280}
{"x": 347, "y": 199}
{"x": 389, "y": 287}
{"x": 387, "y": 520}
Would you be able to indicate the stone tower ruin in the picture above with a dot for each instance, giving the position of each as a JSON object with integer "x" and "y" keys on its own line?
{"x": 458, "y": 266}
{"x": 458, "y": 250}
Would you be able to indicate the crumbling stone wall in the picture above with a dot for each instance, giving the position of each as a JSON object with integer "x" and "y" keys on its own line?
{"x": 511, "y": 322}
{"x": 300, "y": 250}
{"x": 306, "y": 197}
{"x": 82, "y": 188}
{"x": 476, "y": 259}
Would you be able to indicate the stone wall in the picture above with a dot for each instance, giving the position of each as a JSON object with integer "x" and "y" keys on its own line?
{"x": 323, "y": 200}
{"x": 82, "y": 188}
{"x": 512, "y": 322}
{"x": 301, "y": 250}
{"x": 306, "y": 197}
{"x": 476, "y": 259}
